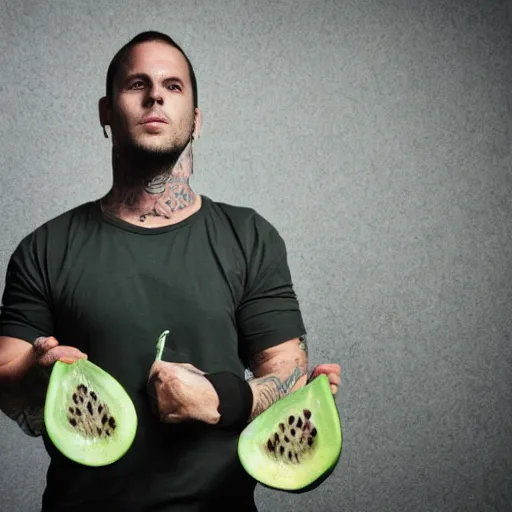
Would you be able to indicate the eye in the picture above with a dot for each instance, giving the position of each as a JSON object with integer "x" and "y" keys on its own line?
{"x": 136, "y": 85}
{"x": 174, "y": 87}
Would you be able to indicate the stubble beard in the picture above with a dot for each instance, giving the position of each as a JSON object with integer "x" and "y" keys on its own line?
{"x": 142, "y": 164}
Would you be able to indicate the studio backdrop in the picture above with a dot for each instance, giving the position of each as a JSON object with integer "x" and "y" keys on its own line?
{"x": 376, "y": 137}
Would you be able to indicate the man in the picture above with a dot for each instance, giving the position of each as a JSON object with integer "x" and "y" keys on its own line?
{"x": 105, "y": 279}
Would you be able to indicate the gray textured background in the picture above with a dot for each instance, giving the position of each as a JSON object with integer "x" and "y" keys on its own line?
{"x": 376, "y": 136}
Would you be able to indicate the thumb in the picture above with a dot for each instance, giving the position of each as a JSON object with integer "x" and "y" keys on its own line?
{"x": 61, "y": 353}
{"x": 43, "y": 344}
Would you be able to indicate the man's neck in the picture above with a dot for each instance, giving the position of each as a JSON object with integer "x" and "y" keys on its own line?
{"x": 165, "y": 199}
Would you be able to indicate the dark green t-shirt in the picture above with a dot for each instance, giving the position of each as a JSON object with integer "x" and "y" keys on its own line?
{"x": 219, "y": 281}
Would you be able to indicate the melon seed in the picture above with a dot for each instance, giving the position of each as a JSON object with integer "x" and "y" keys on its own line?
{"x": 92, "y": 424}
{"x": 297, "y": 432}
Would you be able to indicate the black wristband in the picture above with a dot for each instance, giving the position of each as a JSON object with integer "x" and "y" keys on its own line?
{"x": 235, "y": 399}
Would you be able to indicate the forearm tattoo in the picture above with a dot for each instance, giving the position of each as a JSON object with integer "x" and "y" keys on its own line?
{"x": 269, "y": 389}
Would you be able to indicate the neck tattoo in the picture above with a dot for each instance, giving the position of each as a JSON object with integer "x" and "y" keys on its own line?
{"x": 166, "y": 193}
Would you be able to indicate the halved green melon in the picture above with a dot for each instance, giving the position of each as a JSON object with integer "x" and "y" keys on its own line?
{"x": 296, "y": 443}
{"x": 88, "y": 415}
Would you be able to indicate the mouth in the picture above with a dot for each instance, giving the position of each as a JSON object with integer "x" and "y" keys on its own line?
{"x": 154, "y": 119}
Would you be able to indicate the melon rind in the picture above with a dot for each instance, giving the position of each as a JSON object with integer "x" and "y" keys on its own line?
{"x": 90, "y": 452}
{"x": 317, "y": 397}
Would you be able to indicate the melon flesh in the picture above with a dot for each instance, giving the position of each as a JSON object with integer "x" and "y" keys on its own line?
{"x": 316, "y": 462}
{"x": 92, "y": 449}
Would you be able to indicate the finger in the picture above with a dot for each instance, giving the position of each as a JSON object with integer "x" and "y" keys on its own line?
{"x": 325, "y": 368}
{"x": 61, "y": 353}
{"x": 334, "y": 389}
{"x": 192, "y": 368}
{"x": 171, "y": 418}
{"x": 44, "y": 343}
{"x": 156, "y": 366}
{"x": 185, "y": 366}
{"x": 334, "y": 379}
{"x": 153, "y": 395}
{"x": 71, "y": 359}
{"x": 153, "y": 381}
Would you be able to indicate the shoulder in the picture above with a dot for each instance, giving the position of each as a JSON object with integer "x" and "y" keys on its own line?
{"x": 54, "y": 229}
{"x": 42, "y": 248}
{"x": 261, "y": 244}
{"x": 248, "y": 223}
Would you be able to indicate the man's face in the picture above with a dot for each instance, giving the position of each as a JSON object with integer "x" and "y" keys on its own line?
{"x": 153, "y": 108}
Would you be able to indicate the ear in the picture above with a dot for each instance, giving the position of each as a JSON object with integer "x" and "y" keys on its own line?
{"x": 198, "y": 123}
{"x": 104, "y": 111}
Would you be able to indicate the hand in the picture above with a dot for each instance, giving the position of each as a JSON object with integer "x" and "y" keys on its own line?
{"x": 47, "y": 350}
{"x": 180, "y": 392}
{"x": 333, "y": 371}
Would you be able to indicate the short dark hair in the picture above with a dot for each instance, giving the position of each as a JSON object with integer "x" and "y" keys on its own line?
{"x": 123, "y": 54}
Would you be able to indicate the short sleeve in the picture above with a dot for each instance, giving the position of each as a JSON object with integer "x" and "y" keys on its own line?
{"x": 25, "y": 311}
{"x": 269, "y": 312}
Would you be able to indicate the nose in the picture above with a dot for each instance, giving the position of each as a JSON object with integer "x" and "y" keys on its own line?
{"x": 154, "y": 96}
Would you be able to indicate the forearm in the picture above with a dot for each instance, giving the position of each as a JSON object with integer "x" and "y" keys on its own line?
{"x": 16, "y": 384}
{"x": 269, "y": 389}
{"x": 22, "y": 398}
{"x": 13, "y": 374}
{"x": 16, "y": 360}
{"x": 25, "y": 384}
{"x": 278, "y": 375}
{"x": 22, "y": 382}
